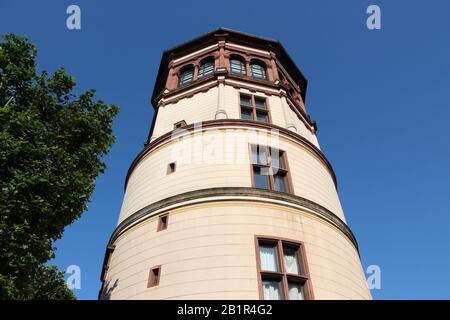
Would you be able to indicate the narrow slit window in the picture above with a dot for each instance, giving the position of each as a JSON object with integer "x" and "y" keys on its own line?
{"x": 163, "y": 222}
{"x": 179, "y": 124}
{"x": 171, "y": 167}
{"x": 153, "y": 277}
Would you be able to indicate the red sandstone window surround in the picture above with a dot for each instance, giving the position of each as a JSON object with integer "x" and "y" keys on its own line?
{"x": 270, "y": 169}
{"x": 282, "y": 269}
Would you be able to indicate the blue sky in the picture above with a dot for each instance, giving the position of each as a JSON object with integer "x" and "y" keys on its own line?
{"x": 381, "y": 99}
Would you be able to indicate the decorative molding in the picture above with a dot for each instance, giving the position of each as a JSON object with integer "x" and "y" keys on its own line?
{"x": 205, "y": 195}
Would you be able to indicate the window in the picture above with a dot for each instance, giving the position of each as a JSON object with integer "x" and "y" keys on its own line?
{"x": 171, "y": 167}
{"x": 282, "y": 270}
{"x": 206, "y": 68}
{"x": 179, "y": 124}
{"x": 106, "y": 261}
{"x": 254, "y": 108}
{"x": 237, "y": 66}
{"x": 163, "y": 221}
{"x": 153, "y": 277}
{"x": 186, "y": 76}
{"x": 258, "y": 71}
{"x": 269, "y": 168}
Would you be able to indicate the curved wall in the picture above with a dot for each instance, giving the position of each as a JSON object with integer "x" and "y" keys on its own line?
{"x": 208, "y": 252}
{"x": 202, "y": 106}
{"x": 219, "y": 157}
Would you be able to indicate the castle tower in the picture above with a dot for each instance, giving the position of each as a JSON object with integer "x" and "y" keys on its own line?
{"x": 231, "y": 196}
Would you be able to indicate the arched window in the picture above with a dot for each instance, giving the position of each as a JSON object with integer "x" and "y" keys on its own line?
{"x": 186, "y": 76}
{"x": 206, "y": 68}
{"x": 258, "y": 70}
{"x": 237, "y": 65}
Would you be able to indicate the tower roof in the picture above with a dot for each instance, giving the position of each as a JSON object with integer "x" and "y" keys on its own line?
{"x": 236, "y": 37}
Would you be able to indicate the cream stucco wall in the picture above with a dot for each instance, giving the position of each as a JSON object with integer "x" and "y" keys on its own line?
{"x": 216, "y": 157}
{"x": 203, "y": 106}
{"x": 208, "y": 252}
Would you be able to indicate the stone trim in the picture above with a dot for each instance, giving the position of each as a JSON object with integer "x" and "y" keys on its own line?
{"x": 203, "y": 196}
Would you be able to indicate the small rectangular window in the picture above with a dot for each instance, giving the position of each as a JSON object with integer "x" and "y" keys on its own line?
{"x": 171, "y": 167}
{"x": 153, "y": 277}
{"x": 163, "y": 222}
{"x": 179, "y": 124}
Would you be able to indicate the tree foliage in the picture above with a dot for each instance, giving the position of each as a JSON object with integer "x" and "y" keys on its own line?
{"x": 51, "y": 145}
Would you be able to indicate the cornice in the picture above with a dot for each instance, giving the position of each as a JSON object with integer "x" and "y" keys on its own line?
{"x": 271, "y": 88}
{"x": 233, "y": 194}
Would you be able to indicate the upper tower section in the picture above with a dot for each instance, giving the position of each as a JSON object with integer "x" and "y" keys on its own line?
{"x": 226, "y": 74}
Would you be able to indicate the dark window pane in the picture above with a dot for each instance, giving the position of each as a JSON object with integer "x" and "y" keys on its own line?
{"x": 262, "y": 117}
{"x": 246, "y": 101}
{"x": 186, "y": 77}
{"x": 246, "y": 114}
{"x": 237, "y": 67}
{"x": 260, "y": 103}
{"x": 258, "y": 71}
{"x": 280, "y": 182}
{"x": 261, "y": 178}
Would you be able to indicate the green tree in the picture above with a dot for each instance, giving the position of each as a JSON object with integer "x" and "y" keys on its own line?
{"x": 51, "y": 145}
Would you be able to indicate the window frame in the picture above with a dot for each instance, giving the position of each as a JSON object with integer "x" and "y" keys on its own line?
{"x": 282, "y": 276}
{"x": 284, "y": 169}
{"x": 243, "y": 68}
{"x": 253, "y": 107}
{"x": 179, "y": 125}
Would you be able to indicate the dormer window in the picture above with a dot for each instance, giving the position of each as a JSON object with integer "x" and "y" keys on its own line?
{"x": 186, "y": 76}
{"x": 258, "y": 71}
{"x": 206, "y": 68}
{"x": 237, "y": 66}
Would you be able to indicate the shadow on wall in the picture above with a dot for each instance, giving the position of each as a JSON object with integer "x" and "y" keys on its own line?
{"x": 107, "y": 289}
